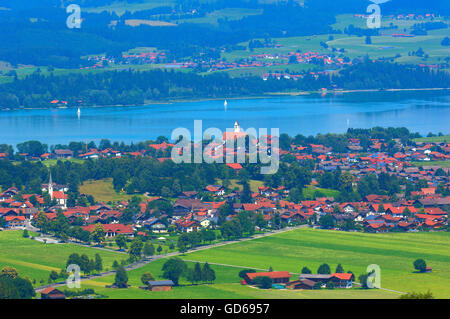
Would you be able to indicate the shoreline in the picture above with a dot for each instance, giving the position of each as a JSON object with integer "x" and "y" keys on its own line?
{"x": 244, "y": 97}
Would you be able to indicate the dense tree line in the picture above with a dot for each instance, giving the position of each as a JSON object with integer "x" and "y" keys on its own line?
{"x": 134, "y": 88}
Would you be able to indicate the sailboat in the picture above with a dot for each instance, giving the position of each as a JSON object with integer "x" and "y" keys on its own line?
{"x": 79, "y": 112}
{"x": 225, "y": 104}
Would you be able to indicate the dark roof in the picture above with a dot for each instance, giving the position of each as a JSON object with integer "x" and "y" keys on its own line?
{"x": 161, "y": 283}
{"x": 312, "y": 276}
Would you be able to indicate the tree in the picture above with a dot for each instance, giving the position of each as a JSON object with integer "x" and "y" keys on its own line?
{"x": 53, "y": 275}
{"x": 25, "y": 234}
{"x": 173, "y": 269}
{"x": 98, "y": 263}
{"x": 329, "y": 285}
{"x": 98, "y": 234}
{"x": 306, "y": 270}
{"x": 420, "y": 265}
{"x": 135, "y": 249}
{"x": 149, "y": 249}
{"x": 263, "y": 282}
{"x": 74, "y": 259}
{"x": 363, "y": 281}
{"x": 417, "y": 295}
{"x": 246, "y": 196}
{"x": 324, "y": 269}
{"x": 244, "y": 272}
{"x": 208, "y": 274}
{"x": 159, "y": 249}
{"x": 326, "y": 221}
{"x": 121, "y": 278}
{"x": 24, "y": 288}
{"x": 84, "y": 264}
{"x": 190, "y": 275}
{"x": 339, "y": 269}
{"x": 8, "y": 289}
{"x": 121, "y": 241}
{"x": 146, "y": 277}
{"x": 197, "y": 272}
{"x": 10, "y": 272}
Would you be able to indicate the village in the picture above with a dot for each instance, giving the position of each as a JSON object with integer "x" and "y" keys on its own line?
{"x": 422, "y": 207}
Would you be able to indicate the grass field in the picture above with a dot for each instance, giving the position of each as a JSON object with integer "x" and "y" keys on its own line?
{"x": 435, "y": 139}
{"x": 103, "y": 191}
{"x": 36, "y": 260}
{"x": 52, "y": 162}
{"x": 234, "y": 183}
{"x": 309, "y": 192}
{"x": 226, "y": 286}
{"x": 393, "y": 252}
{"x": 432, "y": 163}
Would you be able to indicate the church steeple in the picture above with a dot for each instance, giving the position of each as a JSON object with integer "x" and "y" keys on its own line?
{"x": 236, "y": 127}
{"x": 50, "y": 187}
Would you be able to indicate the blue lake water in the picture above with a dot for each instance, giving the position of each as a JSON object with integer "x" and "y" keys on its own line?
{"x": 423, "y": 112}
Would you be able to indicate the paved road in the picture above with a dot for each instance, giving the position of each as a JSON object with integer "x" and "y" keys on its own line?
{"x": 147, "y": 261}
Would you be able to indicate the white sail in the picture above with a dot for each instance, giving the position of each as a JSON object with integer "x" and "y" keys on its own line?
{"x": 225, "y": 103}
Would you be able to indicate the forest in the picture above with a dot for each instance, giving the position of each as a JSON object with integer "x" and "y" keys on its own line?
{"x": 138, "y": 87}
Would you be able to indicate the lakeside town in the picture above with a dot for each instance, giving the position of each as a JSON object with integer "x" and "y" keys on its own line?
{"x": 421, "y": 204}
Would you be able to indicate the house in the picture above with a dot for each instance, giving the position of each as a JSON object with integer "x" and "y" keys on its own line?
{"x": 158, "y": 228}
{"x": 316, "y": 278}
{"x": 15, "y": 221}
{"x": 187, "y": 226}
{"x": 52, "y": 293}
{"x": 9, "y": 193}
{"x": 61, "y": 153}
{"x": 161, "y": 285}
{"x": 112, "y": 230}
{"x": 300, "y": 284}
{"x": 215, "y": 189}
{"x": 276, "y": 276}
{"x": 342, "y": 280}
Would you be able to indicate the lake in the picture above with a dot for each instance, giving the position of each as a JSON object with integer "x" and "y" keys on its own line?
{"x": 420, "y": 111}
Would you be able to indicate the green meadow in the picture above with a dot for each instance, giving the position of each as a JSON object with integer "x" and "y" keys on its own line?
{"x": 393, "y": 252}
{"x": 434, "y": 139}
{"x": 432, "y": 163}
{"x": 226, "y": 286}
{"x": 36, "y": 260}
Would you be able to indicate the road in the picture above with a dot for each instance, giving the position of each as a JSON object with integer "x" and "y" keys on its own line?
{"x": 147, "y": 261}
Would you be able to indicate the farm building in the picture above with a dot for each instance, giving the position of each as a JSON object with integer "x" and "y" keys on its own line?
{"x": 300, "y": 284}
{"x": 276, "y": 276}
{"x": 52, "y": 293}
{"x": 162, "y": 285}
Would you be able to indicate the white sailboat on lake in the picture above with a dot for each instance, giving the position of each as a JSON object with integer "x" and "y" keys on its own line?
{"x": 225, "y": 104}
{"x": 78, "y": 112}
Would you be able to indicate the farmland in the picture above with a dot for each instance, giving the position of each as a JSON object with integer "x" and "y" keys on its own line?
{"x": 103, "y": 190}
{"x": 394, "y": 253}
{"x": 226, "y": 286}
{"x": 36, "y": 260}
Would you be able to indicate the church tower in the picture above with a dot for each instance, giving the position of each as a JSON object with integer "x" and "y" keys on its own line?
{"x": 237, "y": 129}
{"x": 50, "y": 187}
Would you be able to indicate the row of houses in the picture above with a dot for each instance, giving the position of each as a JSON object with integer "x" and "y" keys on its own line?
{"x": 304, "y": 281}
